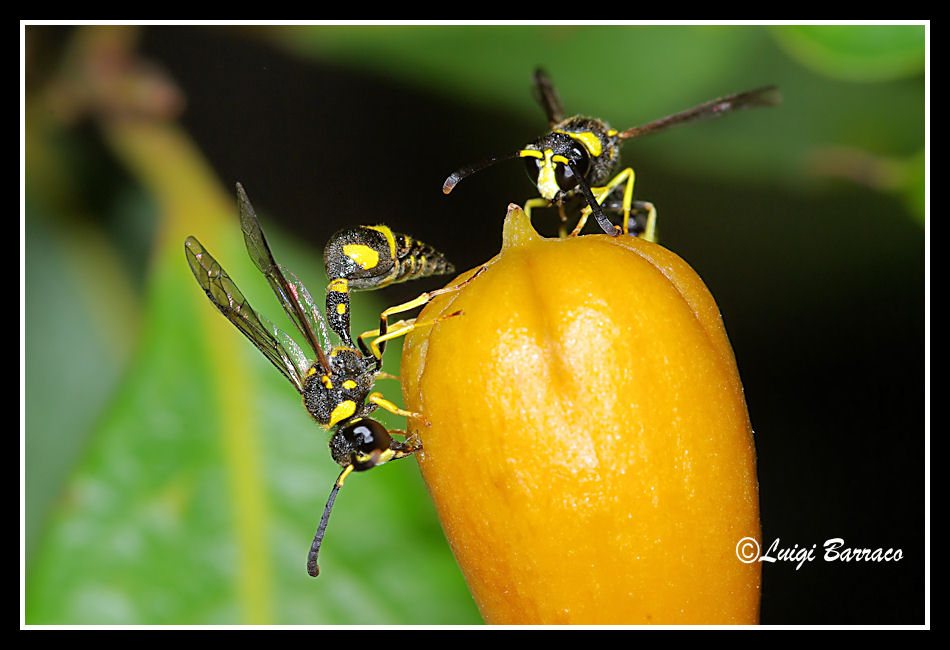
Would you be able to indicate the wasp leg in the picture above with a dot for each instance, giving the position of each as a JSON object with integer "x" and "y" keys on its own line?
{"x": 562, "y": 226}
{"x": 630, "y": 206}
{"x": 400, "y": 328}
{"x": 411, "y": 445}
{"x": 541, "y": 202}
{"x": 643, "y": 228}
{"x": 538, "y": 202}
{"x": 625, "y": 177}
{"x": 649, "y": 232}
{"x": 372, "y": 334}
{"x": 379, "y": 400}
{"x": 378, "y": 344}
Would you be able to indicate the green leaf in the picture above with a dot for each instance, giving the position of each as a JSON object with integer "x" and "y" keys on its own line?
{"x": 857, "y": 52}
{"x": 201, "y": 485}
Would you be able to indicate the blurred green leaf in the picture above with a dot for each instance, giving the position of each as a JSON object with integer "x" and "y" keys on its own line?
{"x": 491, "y": 66}
{"x": 70, "y": 271}
{"x": 195, "y": 498}
{"x": 201, "y": 488}
{"x": 200, "y": 485}
{"x": 857, "y": 52}
{"x": 597, "y": 72}
{"x": 914, "y": 185}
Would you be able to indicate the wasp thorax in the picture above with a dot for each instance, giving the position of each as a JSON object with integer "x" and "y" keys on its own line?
{"x": 334, "y": 396}
{"x": 363, "y": 443}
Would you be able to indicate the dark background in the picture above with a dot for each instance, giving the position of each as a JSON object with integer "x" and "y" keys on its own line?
{"x": 820, "y": 279}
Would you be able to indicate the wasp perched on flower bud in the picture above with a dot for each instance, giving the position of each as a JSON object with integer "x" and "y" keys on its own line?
{"x": 580, "y": 156}
{"x": 335, "y": 381}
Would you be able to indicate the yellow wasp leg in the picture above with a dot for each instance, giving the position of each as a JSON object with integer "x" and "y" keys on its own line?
{"x": 626, "y": 177}
{"x": 649, "y": 233}
{"x": 541, "y": 202}
{"x": 627, "y": 196}
{"x": 379, "y": 400}
{"x": 418, "y": 301}
{"x": 562, "y": 227}
{"x": 582, "y": 221}
{"x": 400, "y": 328}
{"x": 369, "y": 334}
{"x": 538, "y": 202}
{"x": 601, "y": 194}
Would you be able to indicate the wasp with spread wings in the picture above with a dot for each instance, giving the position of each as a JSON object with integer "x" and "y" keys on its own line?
{"x": 336, "y": 382}
{"x": 580, "y": 156}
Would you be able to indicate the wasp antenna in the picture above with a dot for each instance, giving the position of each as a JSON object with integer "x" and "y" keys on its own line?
{"x": 312, "y": 567}
{"x": 598, "y": 212}
{"x": 468, "y": 170}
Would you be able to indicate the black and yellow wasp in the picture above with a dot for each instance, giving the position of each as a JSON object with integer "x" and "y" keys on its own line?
{"x": 580, "y": 156}
{"x": 336, "y": 382}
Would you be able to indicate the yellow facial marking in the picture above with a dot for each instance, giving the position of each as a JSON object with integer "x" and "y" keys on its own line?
{"x": 341, "y": 309}
{"x": 362, "y": 254}
{"x": 590, "y": 141}
{"x": 325, "y": 380}
{"x": 385, "y": 456}
{"x": 547, "y": 184}
{"x": 349, "y": 384}
{"x": 341, "y": 411}
{"x": 378, "y": 457}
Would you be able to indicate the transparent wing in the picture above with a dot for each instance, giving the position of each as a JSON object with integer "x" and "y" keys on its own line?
{"x": 547, "y": 96}
{"x": 766, "y": 96}
{"x": 293, "y": 351}
{"x": 279, "y": 348}
{"x": 286, "y": 292}
{"x": 317, "y": 322}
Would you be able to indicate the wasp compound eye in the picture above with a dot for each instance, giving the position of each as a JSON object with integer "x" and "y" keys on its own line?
{"x": 364, "y": 443}
{"x": 564, "y": 175}
{"x": 368, "y": 436}
{"x": 581, "y": 159}
{"x": 532, "y": 165}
